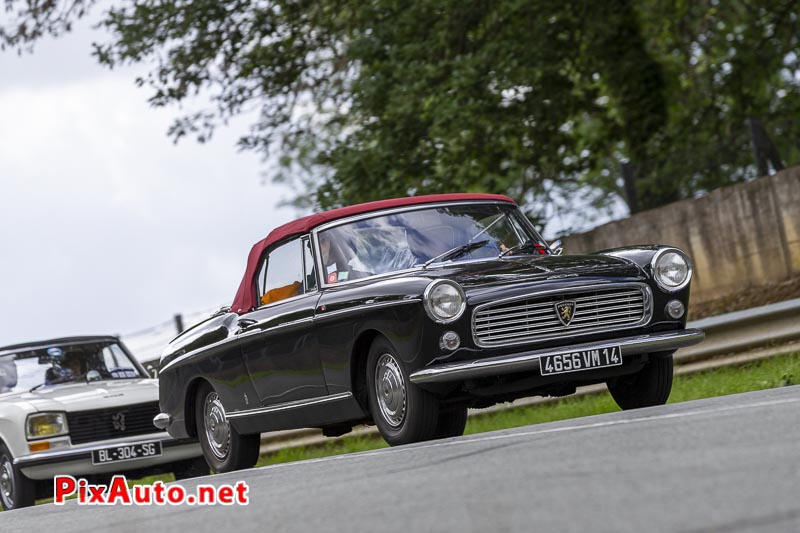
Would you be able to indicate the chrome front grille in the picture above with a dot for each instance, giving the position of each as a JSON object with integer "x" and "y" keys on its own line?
{"x": 534, "y": 318}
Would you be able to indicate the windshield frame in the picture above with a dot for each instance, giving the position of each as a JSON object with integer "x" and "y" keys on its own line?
{"x": 322, "y": 281}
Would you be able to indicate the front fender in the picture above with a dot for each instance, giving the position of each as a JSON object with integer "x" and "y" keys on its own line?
{"x": 12, "y": 427}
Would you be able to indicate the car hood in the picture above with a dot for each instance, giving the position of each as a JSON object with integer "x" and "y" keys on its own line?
{"x": 493, "y": 277}
{"x": 85, "y": 396}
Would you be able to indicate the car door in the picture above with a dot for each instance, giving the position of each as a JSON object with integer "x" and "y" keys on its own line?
{"x": 279, "y": 347}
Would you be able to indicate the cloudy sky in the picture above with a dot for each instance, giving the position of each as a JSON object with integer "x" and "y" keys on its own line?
{"x": 106, "y": 226}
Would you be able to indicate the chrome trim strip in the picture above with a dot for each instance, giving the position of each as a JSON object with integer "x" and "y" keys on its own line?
{"x": 566, "y": 332}
{"x": 250, "y": 332}
{"x": 253, "y": 329}
{"x": 365, "y": 307}
{"x": 405, "y": 208}
{"x": 290, "y": 405}
{"x": 528, "y": 361}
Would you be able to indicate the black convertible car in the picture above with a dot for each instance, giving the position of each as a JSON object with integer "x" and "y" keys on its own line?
{"x": 404, "y": 313}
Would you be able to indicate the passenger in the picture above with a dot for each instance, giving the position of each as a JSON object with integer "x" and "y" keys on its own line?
{"x": 335, "y": 271}
{"x": 8, "y": 373}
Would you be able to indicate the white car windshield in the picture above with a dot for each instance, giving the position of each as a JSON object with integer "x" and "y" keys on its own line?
{"x": 27, "y": 369}
{"x": 408, "y": 239}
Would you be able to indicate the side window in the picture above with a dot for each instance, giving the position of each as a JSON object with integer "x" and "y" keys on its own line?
{"x": 308, "y": 259}
{"x": 281, "y": 275}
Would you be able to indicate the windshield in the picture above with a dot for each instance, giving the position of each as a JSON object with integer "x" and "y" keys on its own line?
{"x": 388, "y": 243}
{"x": 58, "y": 364}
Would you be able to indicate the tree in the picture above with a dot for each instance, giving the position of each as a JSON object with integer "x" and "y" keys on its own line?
{"x": 541, "y": 100}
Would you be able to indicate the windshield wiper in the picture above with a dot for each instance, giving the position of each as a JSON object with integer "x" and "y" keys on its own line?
{"x": 74, "y": 379}
{"x": 527, "y": 245}
{"x": 456, "y": 252}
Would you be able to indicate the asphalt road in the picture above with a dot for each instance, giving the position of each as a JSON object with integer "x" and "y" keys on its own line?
{"x": 724, "y": 464}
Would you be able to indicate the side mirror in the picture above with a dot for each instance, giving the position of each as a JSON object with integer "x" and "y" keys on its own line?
{"x": 556, "y": 247}
{"x": 152, "y": 370}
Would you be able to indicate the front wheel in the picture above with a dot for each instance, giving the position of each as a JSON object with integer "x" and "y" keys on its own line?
{"x": 648, "y": 387}
{"x": 403, "y": 412}
{"x": 16, "y": 491}
{"x": 452, "y": 422}
{"x": 224, "y": 448}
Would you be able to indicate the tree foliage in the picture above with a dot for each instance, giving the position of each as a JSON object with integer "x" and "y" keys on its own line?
{"x": 542, "y": 100}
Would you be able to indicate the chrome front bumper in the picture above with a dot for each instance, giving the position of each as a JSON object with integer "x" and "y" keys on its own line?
{"x": 527, "y": 361}
{"x": 77, "y": 460}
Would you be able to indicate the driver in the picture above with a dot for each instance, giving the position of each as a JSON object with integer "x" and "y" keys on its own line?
{"x": 65, "y": 368}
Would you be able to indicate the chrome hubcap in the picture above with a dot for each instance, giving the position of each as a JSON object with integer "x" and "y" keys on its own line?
{"x": 7, "y": 482}
{"x": 390, "y": 390}
{"x": 218, "y": 430}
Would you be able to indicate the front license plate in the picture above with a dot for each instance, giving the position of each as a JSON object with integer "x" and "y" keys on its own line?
{"x": 582, "y": 360}
{"x": 128, "y": 452}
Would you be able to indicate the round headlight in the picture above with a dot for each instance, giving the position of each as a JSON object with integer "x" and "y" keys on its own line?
{"x": 444, "y": 301}
{"x": 671, "y": 269}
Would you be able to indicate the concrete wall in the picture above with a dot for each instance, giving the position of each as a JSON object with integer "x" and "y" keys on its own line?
{"x": 740, "y": 236}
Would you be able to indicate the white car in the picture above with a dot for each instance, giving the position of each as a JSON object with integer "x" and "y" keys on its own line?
{"x": 80, "y": 406}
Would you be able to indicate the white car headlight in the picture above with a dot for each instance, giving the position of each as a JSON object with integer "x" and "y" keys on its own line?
{"x": 444, "y": 301}
{"x": 671, "y": 269}
{"x": 45, "y": 425}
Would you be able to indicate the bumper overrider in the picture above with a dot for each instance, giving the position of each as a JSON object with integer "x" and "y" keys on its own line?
{"x": 526, "y": 361}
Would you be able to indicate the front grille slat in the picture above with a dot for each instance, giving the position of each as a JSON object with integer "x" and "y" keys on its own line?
{"x": 98, "y": 424}
{"x": 627, "y": 294}
{"x": 572, "y": 329}
{"x": 534, "y": 318}
{"x": 634, "y": 308}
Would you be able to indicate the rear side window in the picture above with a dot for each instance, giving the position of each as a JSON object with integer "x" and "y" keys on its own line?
{"x": 281, "y": 275}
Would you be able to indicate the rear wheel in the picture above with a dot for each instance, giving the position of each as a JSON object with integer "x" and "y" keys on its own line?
{"x": 451, "y": 422}
{"x": 225, "y": 450}
{"x": 648, "y": 387}
{"x": 403, "y": 412}
{"x": 16, "y": 491}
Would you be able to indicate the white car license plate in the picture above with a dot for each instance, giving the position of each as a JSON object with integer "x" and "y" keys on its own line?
{"x": 581, "y": 360}
{"x": 128, "y": 452}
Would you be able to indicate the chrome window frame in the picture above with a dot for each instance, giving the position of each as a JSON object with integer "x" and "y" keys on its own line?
{"x": 303, "y": 262}
{"x": 393, "y": 211}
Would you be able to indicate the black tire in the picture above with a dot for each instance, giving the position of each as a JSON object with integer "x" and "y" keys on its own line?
{"x": 404, "y": 413}
{"x": 451, "y": 422}
{"x": 648, "y": 387}
{"x": 190, "y": 468}
{"x": 16, "y": 490}
{"x": 225, "y": 450}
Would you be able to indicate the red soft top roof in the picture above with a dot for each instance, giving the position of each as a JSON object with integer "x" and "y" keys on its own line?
{"x": 245, "y": 299}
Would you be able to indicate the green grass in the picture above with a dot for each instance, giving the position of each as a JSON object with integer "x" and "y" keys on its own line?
{"x": 765, "y": 374}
